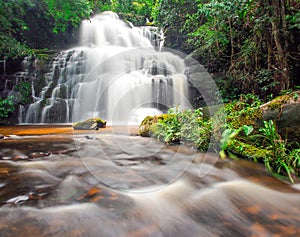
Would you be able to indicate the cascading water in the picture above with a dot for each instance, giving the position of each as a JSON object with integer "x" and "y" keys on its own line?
{"x": 116, "y": 73}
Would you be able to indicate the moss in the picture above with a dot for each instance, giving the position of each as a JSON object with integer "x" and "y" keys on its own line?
{"x": 249, "y": 116}
{"x": 278, "y": 102}
{"x": 92, "y": 123}
{"x": 147, "y": 126}
{"x": 248, "y": 151}
{"x": 44, "y": 54}
{"x": 144, "y": 128}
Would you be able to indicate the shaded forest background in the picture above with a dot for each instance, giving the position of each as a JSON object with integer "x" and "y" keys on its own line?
{"x": 248, "y": 46}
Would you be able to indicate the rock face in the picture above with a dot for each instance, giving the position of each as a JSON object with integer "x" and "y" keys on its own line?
{"x": 90, "y": 124}
{"x": 285, "y": 111}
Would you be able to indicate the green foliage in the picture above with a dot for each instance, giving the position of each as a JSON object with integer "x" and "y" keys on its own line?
{"x": 133, "y": 11}
{"x": 244, "y": 111}
{"x": 294, "y": 20}
{"x": 16, "y": 18}
{"x": 24, "y": 92}
{"x": 148, "y": 126}
{"x": 68, "y": 12}
{"x": 6, "y": 107}
{"x": 12, "y": 26}
{"x": 281, "y": 161}
{"x": 187, "y": 126}
{"x": 11, "y": 48}
{"x": 237, "y": 133}
{"x": 229, "y": 134}
{"x": 260, "y": 144}
{"x": 238, "y": 39}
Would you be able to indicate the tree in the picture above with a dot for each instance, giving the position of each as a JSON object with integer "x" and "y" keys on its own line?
{"x": 11, "y": 27}
{"x": 251, "y": 42}
{"x": 65, "y": 12}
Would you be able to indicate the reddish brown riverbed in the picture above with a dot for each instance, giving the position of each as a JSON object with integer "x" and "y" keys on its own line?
{"x": 110, "y": 182}
{"x": 23, "y": 130}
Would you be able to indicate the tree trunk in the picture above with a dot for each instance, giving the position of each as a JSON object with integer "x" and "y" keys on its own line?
{"x": 231, "y": 41}
{"x": 281, "y": 59}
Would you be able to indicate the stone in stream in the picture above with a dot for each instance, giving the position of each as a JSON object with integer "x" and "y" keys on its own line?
{"x": 90, "y": 124}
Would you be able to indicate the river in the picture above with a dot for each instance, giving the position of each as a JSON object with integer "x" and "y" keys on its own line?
{"x": 111, "y": 182}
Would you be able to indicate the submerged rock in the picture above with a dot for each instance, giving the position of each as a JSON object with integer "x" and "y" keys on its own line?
{"x": 90, "y": 124}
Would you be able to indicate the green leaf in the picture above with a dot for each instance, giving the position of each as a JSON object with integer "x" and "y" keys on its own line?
{"x": 247, "y": 129}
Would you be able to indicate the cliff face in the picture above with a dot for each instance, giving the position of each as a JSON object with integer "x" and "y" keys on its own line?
{"x": 20, "y": 80}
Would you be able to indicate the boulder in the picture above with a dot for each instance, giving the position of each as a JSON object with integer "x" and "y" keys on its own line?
{"x": 90, "y": 124}
{"x": 147, "y": 126}
{"x": 285, "y": 111}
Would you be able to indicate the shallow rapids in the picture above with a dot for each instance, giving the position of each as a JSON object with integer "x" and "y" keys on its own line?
{"x": 112, "y": 183}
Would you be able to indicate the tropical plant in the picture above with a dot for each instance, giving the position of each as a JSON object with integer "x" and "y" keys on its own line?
{"x": 24, "y": 92}
{"x": 228, "y": 137}
{"x": 186, "y": 126}
{"x": 282, "y": 161}
{"x": 6, "y": 107}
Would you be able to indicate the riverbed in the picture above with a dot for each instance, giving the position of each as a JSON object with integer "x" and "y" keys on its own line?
{"x": 55, "y": 181}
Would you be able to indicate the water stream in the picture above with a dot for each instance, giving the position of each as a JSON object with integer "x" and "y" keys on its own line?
{"x": 114, "y": 183}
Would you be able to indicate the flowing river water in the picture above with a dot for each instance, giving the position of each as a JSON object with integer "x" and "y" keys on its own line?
{"x": 111, "y": 182}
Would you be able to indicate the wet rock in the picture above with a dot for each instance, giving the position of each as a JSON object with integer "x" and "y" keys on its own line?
{"x": 6, "y": 158}
{"x": 90, "y": 124}
{"x": 39, "y": 154}
{"x": 145, "y": 129}
{"x": 21, "y": 157}
{"x": 38, "y": 196}
{"x": 13, "y": 137}
{"x": 18, "y": 199}
{"x": 89, "y": 137}
{"x": 2, "y": 185}
{"x": 285, "y": 111}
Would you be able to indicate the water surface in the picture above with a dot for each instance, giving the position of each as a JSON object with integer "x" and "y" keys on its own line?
{"x": 110, "y": 182}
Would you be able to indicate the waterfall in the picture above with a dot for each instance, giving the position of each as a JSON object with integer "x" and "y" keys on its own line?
{"x": 116, "y": 72}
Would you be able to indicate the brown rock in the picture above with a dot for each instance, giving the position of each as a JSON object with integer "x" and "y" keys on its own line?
{"x": 285, "y": 111}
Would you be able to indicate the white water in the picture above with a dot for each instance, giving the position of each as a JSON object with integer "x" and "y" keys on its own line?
{"x": 115, "y": 70}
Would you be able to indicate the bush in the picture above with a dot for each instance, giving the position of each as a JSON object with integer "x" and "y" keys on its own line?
{"x": 6, "y": 107}
{"x": 186, "y": 126}
{"x": 24, "y": 95}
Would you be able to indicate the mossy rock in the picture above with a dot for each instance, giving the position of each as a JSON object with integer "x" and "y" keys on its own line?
{"x": 146, "y": 126}
{"x": 248, "y": 151}
{"x": 90, "y": 124}
{"x": 285, "y": 111}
